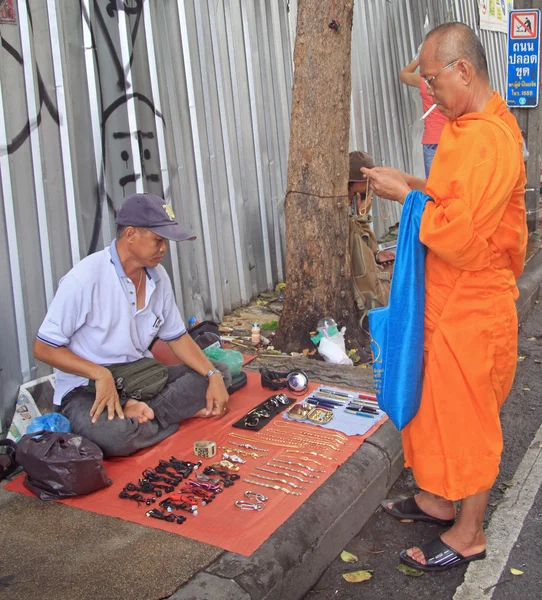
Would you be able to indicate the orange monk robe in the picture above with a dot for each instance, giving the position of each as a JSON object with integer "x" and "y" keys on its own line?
{"x": 476, "y": 235}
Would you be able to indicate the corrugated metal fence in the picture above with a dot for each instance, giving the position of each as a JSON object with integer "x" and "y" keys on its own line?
{"x": 189, "y": 99}
{"x": 385, "y": 113}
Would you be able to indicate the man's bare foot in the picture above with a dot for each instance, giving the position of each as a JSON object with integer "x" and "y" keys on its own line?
{"x": 466, "y": 544}
{"x": 135, "y": 409}
{"x": 202, "y": 413}
{"x": 435, "y": 506}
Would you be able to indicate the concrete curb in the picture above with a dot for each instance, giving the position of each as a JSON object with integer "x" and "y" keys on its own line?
{"x": 292, "y": 560}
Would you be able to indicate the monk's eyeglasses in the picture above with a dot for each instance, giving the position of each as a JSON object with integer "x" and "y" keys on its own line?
{"x": 429, "y": 81}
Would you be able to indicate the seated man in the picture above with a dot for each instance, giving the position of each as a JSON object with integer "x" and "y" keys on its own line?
{"x": 107, "y": 310}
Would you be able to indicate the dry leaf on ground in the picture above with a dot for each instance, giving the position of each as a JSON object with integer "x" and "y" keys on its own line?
{"x": 515, "y": 571}
{"x": 410, "y": 571}
{"x": 348, "y": 557}
{"x": 357, "y": 576}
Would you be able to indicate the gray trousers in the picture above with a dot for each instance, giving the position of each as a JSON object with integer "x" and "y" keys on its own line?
{"x": 182, "y": 396}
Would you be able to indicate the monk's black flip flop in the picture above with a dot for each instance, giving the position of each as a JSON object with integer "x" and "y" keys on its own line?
{"x": 439, "y": 557}
{"x": 408, "y": 509}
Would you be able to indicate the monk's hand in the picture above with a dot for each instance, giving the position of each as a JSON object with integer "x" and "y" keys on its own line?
{"x": 387, "y": 183}
{"x": 217, "y": 396}
{"x": 106, "y": 396}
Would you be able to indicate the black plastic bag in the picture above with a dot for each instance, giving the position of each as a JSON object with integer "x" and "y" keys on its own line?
{"x": 205, "y": 334}
{"x": 61, "y": 465}
{"x": 7, "y": 459}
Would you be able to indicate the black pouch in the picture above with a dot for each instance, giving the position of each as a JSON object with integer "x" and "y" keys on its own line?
{"x": 237, "y": 382}
{"x": 61, "y": 465}
{"x": 141, "y": 379}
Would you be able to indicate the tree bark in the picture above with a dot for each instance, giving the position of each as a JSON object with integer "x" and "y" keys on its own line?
{"x": 318, "y": 272}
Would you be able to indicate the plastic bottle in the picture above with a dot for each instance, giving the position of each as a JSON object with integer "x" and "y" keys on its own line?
{"x": 326, "y": 326}
{"x": 255, "y": 334}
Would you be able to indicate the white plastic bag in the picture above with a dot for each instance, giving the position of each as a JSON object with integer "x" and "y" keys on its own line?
{"x": 333, "y": 349}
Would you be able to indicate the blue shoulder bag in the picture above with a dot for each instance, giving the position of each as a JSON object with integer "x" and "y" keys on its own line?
{"x": 397, "y": 329}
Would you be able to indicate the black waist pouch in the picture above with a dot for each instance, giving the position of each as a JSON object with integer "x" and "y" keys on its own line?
{"x": 141, "y": 379}
{"x": 237, "y": 382}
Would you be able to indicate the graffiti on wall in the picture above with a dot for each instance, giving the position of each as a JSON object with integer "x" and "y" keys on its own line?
{"x": 117, "y": 172}
{"x": 44, "y": 100}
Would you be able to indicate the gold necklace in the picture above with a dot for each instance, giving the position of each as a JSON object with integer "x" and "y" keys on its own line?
{"x": 241, "y": 452}
{"x": 308, "y": 452}
{"x": 260, "y": 441}
{"x": 282, "y": 473}
{"x": 273, "y": 487}
{"x": 140, "y": 280}
{"x": 294, "y": 485}
{"x": 274, "y": 466}
{"x": 288, "y": 462}
{"x": 335, "y": 436}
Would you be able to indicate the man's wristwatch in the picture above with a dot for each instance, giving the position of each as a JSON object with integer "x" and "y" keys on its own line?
{"x": 212, "y": 372}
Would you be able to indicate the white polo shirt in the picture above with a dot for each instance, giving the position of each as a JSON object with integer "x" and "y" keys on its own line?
{"x": 94, "y": 315}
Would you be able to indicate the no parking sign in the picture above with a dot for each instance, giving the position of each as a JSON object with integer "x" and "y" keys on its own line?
{"x": 523, "y": 58}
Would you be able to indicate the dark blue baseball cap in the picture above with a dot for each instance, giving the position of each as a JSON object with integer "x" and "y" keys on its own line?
{"x": 154, "y": 213}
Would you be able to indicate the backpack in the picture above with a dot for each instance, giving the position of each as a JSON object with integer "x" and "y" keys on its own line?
{"x": 371, "y": 281}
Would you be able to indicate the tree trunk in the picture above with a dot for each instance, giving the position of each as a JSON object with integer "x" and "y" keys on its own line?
{"x": 318, "y": 272}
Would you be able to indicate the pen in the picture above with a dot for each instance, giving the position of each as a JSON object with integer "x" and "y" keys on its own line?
{"x": 367, "y": 396}
{"x": 360, "y": 414}
{"x": 337, "y": 402}
{"x": 324, "y": 403}
{"x": 343, "y": 394}
{"x": 333, "y": 396}
{"x": 365, "y": 401}
{"x": 368, "y": 409}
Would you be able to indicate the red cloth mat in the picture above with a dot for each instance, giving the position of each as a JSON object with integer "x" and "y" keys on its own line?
{"x": 219, "y": 523}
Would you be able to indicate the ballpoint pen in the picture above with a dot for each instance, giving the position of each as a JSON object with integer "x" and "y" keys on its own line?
{"x": 359, "y": 413}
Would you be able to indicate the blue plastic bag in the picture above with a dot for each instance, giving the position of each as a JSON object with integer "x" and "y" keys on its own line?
{"x": 397, "y": 329}
{"x": 50, "y": 422}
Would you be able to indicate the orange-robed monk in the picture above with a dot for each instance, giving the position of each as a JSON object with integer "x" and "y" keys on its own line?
{"x": 474, "y": 227}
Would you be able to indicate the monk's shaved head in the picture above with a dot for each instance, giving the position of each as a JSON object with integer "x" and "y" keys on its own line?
{"x": 457, "y": 40}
